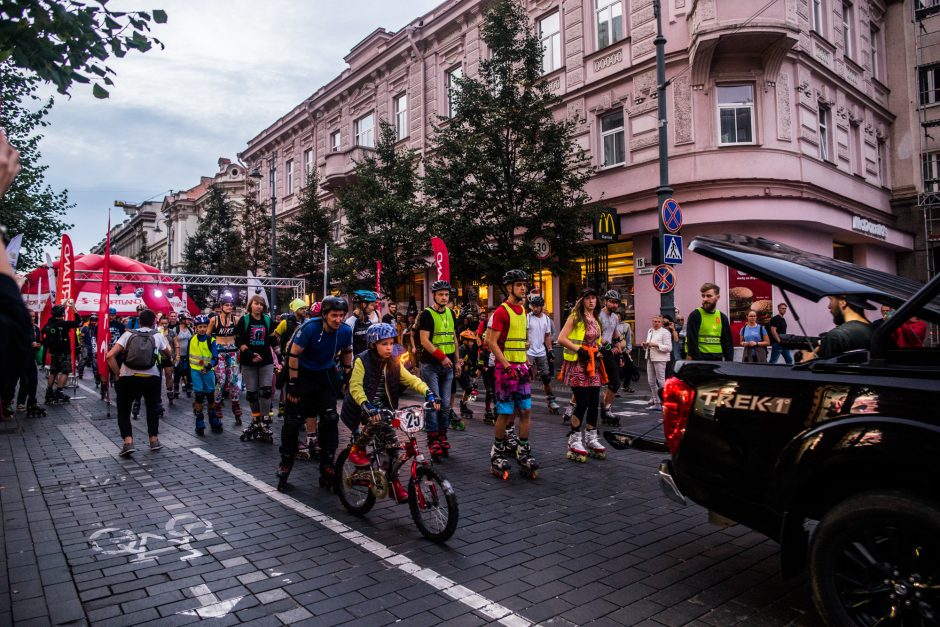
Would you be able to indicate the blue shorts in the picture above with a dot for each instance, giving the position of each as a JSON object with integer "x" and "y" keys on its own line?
{"x": 203, "y": 382}
{"x": 508, "y": 408}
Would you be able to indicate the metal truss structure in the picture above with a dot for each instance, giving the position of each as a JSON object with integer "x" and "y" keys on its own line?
{"x": 299, "y": 286}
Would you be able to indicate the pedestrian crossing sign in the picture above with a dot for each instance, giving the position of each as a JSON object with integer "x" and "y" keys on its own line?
{"x": 673, "y": 248}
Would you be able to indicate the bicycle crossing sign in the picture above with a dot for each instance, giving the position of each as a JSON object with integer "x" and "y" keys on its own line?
{"x": 673, "y": 247}
{"x": 664, "y": 278}
{"x": 672, "y": 215}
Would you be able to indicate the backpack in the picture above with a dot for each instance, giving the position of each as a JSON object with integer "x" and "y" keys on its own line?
{"x": 141, "y": 350}
{"x": 54, "y": 338}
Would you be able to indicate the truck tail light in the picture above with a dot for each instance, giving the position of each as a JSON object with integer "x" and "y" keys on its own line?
{"x": 678, "y": 398}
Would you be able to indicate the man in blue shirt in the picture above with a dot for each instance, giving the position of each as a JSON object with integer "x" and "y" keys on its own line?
{"x": 314, "y": 386}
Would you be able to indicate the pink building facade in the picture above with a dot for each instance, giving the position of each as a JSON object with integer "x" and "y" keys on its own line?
{"x": 778, "y": 125}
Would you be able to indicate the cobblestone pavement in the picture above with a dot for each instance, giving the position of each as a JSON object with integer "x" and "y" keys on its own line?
{"x": 196, "y": 531}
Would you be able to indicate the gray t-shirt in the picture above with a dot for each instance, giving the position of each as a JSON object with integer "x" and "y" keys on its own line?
{"x": 184, "y": 335}
{"x": 609, "y": 323}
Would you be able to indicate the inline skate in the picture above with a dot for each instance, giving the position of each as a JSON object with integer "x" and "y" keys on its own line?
{"x": 35, "y": 410}
{"x": 200, "y": 423}
{"x": 569, "y": 412}
{"x": 527, "y": 464}
{"x": 593, "y": 445}
{"x": 608, "y": 418}
{"x": 576, "y": 450}
{"x": 489, "y": 418}
{"x": 553, "y": 405}
{"x": 499, "y": 460}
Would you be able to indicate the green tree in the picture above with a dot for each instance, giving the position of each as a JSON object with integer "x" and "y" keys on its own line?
{"x": 384, "y": 219}
{"x": 502, "y": 170}
{"x": 65, "y": 42}
{"x": 300, "y": 243}
{"x": 254, "y": 223}
{"x": 215, "y": 246}
{"x": 30, "y": 206}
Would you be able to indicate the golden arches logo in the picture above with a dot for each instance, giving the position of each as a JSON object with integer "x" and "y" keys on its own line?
{"x": 606, "y": 225}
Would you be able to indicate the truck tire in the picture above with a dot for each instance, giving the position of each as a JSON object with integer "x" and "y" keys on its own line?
{"x": 876, "y": 557}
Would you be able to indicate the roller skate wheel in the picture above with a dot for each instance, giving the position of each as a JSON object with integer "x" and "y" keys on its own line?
{"x": 502, "y": 474}
{"x": 200, "y": 431}
{"x": 243, "y": 437}
{"x": 531, "y": 474}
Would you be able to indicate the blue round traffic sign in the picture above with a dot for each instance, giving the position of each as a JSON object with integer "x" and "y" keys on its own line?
{"x": 664, "y": 278}
{"x": 672, "y": 215}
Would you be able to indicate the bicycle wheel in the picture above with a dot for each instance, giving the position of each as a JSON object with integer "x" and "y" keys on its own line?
{"x": 353, "y": 486}
{"x": 433, "y": 504}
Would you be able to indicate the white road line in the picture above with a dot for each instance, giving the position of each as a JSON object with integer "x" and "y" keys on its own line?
{"x": 471, "y": 599}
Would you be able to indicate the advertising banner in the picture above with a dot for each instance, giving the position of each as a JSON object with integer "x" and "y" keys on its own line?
{"x": 67, "y": 286}
{"x": 441, "y": 259}
{"x": 104, "y": 319}
{"x": 747, "y": 293}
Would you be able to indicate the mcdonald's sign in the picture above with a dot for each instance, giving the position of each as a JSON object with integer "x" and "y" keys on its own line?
{"x": 606, "y": 225}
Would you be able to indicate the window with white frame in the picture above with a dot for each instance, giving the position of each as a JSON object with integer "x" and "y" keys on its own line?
{"x": 613, "y": 148}
{"x": 550, "y": 36}
{"x": 882, "y": 163}
{"x": 929, "y": 83}
{"x": 365, "y": 131}
{"x": 335, "y": 141}
{"x": 875, "y": 36}
{"x": 848, "y": 29}
{"x": 823, "y": 131}
{"x": 453, "y": 75}
{"x": 400, "y": 106}
{"x": 609, "y": 19}
{"x": 735, "y": 114}
{"x": 931, "y": 166}
{"x": 817, "y": 24}
{"x": 289, "y": 168}
{"x": 308, "y": 162}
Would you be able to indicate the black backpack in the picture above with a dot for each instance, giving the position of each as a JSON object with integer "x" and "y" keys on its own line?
{"x": 55, "y": 338}
{"x": 141, "y": 350}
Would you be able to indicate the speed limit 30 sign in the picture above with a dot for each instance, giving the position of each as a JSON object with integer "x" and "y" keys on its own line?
{"x": 543, "y": 249}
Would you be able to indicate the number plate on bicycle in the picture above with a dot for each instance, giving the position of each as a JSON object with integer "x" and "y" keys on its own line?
{"x": 410, "y": 419}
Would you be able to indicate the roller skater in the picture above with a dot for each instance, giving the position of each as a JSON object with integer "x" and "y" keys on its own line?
{"x": 203, "y": 355}
{"x": 439, "y": 363}
{"x": 285, "y": 331}
{"x": 313, "y": 386}
{"x": 227, "y": 377}
{"x": 576, "y": 450}
{"x": 255, "y": 339}
{"x": 486, "y": 365}
{"x": 612, "y": 347}
{"x": 541, "y": 352}
{"x": 181, "y": 372}
{"x": 593, "y": 444}
{"x": 56, "y": 339}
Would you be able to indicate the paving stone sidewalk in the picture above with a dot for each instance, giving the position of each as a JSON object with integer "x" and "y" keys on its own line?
{"x": 196, "y": 532}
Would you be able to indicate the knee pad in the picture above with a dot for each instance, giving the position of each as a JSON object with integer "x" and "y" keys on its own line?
{"x": 266, "y": 392}
{"x": 252, "y": 396}
{"x": 546, "y": 379}
{"x": 200, "y": 397}
{"x": 330, "y": 417}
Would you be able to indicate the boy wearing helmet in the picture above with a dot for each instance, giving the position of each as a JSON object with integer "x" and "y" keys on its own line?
{"x": 612, "y": 346}
{"x": 541, "y": 352}
{"x": 439, "y": 364}
{"x": 376, "y": 383}
{"x": 363, "y": 316}
{"x": 203, "y": 357}
{"x": 55, "y": 337}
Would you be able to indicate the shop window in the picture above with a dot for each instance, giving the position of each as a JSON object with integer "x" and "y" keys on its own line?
{"x": 609, "y": 19}
{"x": 613, "y": 148}
{"x": 843, "y": 252}
{"x": 607, "y": 267}
{"x": 550, "y": 36}
{"x": 365, "y": 131}
{"x": 542, "y": 284}
{"x": 736, "y": 114}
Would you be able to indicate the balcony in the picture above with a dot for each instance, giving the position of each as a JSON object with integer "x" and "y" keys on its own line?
{"x": 728, "y": 27}
{"x": 339, "y": 167}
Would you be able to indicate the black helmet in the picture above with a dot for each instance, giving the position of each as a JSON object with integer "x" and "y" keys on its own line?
{"x": 512, "y": 276}
{"x": 58, "y": 311}
{"x": 333, "y": 303}
{"x": 612, "y": 295}
{"x": 536, "y": 300}
{"x": 438, "y": 286}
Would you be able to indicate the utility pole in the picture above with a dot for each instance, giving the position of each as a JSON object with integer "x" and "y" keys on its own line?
{"x": 273, "y": 231}
{"x": 664, "y": 191}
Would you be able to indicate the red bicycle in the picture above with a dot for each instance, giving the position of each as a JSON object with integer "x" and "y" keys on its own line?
{"x": 431, "y": 497}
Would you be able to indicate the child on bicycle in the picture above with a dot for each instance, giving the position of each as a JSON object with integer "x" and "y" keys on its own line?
{"x": 376, "y": 384}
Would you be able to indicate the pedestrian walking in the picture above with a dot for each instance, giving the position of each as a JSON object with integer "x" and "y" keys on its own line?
{"x": 777, "y": 327}
{"x": 138, "y": 376}
{"x": 708, "y": 331}
{"x": 658, "y": 347}
{"x": 670, "y": 325}
{"x": 754, "y": 340}
{"x": 612, "y": 346}
{"x": 181, "y": 372}
{"x": 255, "y": 339}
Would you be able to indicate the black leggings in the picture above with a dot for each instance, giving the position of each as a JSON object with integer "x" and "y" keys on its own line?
{"x": 319, "y": 391}
{"x": 586, "y": 400}
{"x": 29, "y": 378}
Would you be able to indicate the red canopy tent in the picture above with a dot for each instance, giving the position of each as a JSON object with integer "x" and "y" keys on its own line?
{"x": 123, "y": 271}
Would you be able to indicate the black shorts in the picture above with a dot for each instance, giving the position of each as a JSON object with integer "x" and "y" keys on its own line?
{"x": 612, "y": 366}
{"x": 60, "y": 363}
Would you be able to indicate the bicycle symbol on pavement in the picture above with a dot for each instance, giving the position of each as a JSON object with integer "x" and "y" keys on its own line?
{"x": 146, "y": 547}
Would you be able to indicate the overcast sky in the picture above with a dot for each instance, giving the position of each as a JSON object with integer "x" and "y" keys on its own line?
{"x": 229, "y": 70}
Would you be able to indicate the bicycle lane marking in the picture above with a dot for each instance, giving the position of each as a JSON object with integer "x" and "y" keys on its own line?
{"x": 460, "y": 593}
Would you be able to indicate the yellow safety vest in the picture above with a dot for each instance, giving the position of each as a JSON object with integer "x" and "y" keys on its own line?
{"x": 514, "y": 347}
{"x": 443, "y": 335}
{"x": 200, "y": 355}
{"x": 577, "y": 337}
{"x": 709, "y": 332}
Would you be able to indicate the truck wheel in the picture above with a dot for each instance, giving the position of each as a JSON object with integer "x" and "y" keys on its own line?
{"x": 875, "y": 560}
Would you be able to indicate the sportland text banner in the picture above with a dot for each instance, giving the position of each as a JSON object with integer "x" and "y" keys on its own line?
{"x": 104, "y": 313}
{"x": 441, "y": 259}
{"x": 67, "y": 285}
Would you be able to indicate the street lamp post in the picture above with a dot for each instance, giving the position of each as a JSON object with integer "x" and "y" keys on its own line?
{"x": 664, "y": 191}
{"x": 256, "y": 174}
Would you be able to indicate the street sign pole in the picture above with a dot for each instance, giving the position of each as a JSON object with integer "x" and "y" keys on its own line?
{"x": 664, "y": 191}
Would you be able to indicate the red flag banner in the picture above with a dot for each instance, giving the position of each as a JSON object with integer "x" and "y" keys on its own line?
{"x": 104, "y": 318}
{"x": 66, "y": 285}
{"x": 441, "y": 259}
{"x": 378, "y": 278}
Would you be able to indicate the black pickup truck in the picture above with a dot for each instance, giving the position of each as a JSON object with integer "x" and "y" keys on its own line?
{"x": 838, "y": 460}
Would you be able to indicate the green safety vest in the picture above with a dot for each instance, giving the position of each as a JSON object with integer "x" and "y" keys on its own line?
{"x": 200, "y": 355}
{"x": 515, "y": 343}
{"x": 709, "y": 332}
{"x": 577, "y": 337}
{"x": 443, "y": 335}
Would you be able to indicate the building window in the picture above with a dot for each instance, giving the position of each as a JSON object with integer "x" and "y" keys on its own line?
{"x": 550, "y": 36}
{"x": 365, "y": 131}
{"x": 736, "y": 114}
{"x": 609, "y": 15}
{"x": 401, "y": 116}
{"x": 875, "y": 53}
{"x": 335, "y": 141}
{"x": 817, "y": 16}
{"x": 308, "y": 162}
{"x": 882, "y": 164}
{"x": 290, "y": 177}
{"x": 613, "y": 150}
{"x": 823, "y": 133}
{"x": 848, "y": 32}
{"x": 931, "y": 163}
{"x": 453, "y": 75}
{"x": 929, "y": 79}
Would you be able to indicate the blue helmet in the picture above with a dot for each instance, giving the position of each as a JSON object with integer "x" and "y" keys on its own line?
{"x": 112, "y": 311}
{"x": 201, "y": 319}
{"x": 379, "y": 332}
{"x": 227, "y": 299}
{"x": 366, "y": 296}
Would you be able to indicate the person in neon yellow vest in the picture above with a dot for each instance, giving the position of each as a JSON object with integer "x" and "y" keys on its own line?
{"x": 437, "y": 333}
{"x": 708, "y": 331}
{"x": 506, "y": 340}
